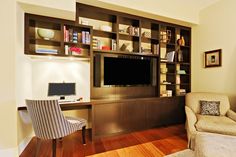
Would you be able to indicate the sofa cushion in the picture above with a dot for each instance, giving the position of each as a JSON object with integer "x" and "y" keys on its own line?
{"x": 215, "y": 145}
{"x": 216, "y": 124}
{"x": 192, "y": 101}
{"x": 210, "y": 108}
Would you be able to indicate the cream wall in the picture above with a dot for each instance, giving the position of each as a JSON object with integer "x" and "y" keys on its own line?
{"x": 216, "y": 30}
{"x": 29, "y": 72}
{"x": 174, "y": 10}
{"x": 126, "y": 7}
{"x": 55, "y": 8}
{"x": 8, "y": 116}
{"x": 53, "y": 70}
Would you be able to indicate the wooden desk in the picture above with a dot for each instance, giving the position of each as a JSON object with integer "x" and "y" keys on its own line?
{"x": 114, "y": 117}
{"x": 68, "y": 106}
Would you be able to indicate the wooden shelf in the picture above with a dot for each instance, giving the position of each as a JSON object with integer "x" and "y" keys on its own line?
{"x": 78, "y": 27}
{"x": 167, "y": 73}
{"x": 166, "y": 62}
{"x": 126, "y": 53}
{"x": 105, "y": 34}
{"x": 128, "y": 37}
{"x": 174, "y": 84}
{"x": 104, "y": 51}
{"x": 186, "y": 46}
{"x": 149, "y": 40}
{"x": 59, "y": 57}
{"x": 163, "y": 84}
{"x": 82, "y": 45}
{"x": 174, "y": 74}
{"x": 44, "y": 42}
{"x": 168, "y": 44}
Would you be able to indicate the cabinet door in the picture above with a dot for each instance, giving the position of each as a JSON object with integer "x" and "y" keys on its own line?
{"x": 155, "y": 113}
{"x": 107, "y": 119}
{"x": 134, "y": 115}
{"x": 165, "y": 111}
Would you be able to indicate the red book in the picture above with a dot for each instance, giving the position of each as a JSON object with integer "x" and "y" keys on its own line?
{"x": 64, "y": 28}
{"x": 67, "y": 36}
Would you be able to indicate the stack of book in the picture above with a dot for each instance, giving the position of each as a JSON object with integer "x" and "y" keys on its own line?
{"x": 155, "y": 49}
{"x": 85, "y": 37}
{"x": 71, "y": 35}
{"x": 46, "y": 51}
{"x": 96, "y": 44}
{"x": 113, "y": 44}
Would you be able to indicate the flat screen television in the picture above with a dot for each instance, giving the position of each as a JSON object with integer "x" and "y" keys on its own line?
{"x": 61, "y": 89}
{"x": 127, "y": 71}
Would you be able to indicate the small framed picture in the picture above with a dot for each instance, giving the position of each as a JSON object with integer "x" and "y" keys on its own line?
{"x": 213, "y": 58}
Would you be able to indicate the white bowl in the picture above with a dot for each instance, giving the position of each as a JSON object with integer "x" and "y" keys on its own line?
{"x": 46, "y": 34}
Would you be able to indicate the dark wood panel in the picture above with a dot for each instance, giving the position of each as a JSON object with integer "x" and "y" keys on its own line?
{"x": 125, "y": 115}
{"x": 107, "y": 119}
{"x": 155, "y": 113}
{"x": 134, "y": 115}
{"x": 135, "y": 92}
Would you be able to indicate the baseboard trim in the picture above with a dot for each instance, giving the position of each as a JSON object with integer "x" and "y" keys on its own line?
{"x": 11, "y": 152}
{"x": 23, "y": 144}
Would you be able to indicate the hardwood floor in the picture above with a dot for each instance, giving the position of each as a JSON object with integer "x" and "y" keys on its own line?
{"x": 151, "y": 143}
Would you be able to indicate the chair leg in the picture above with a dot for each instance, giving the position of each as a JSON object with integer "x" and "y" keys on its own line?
{"x": 54, "y": 146}
{"x": 38, "y": 144}
{"x": 83, "y": 135}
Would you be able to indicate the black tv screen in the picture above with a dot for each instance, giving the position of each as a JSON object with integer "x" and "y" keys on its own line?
{"x": 127, "y": 71}
{"x": 61, "y": 89}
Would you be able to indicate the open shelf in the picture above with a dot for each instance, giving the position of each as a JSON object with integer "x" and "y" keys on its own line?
{"x": 78, "y": 44}
{"x": 44, "y": 42}
{"x": 62, "y": 30}
{"x": 140, "y": 36}
{"x": 105, "y": 34}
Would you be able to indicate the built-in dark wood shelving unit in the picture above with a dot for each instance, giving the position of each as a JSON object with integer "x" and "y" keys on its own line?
{"x": 151, "y": 39}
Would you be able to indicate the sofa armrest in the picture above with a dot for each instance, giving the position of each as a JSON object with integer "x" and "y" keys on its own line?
{"x": 231, "y": 114}
{"x": 191, "y": 119}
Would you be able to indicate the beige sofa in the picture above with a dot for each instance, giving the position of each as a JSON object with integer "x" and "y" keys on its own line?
{"x": 223, "y": 124}
{"x": 210, "y": 145}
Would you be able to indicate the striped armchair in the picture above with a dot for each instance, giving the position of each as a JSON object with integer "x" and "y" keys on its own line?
{"x": 49, "y": 122}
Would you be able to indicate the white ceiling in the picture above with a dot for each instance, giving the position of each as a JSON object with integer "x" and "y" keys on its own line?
{"x": 183, "y": 10}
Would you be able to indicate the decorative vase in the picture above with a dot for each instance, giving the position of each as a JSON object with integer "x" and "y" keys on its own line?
{"x": 180, "y": 56}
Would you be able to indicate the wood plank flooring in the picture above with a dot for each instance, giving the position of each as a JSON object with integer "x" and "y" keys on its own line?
{"x": 148, "y": 143}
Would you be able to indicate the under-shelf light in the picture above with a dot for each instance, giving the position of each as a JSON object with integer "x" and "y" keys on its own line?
{"x": 38, "y": 57}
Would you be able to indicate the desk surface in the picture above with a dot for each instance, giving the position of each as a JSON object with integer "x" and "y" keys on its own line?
{"x": 73, "y": 105}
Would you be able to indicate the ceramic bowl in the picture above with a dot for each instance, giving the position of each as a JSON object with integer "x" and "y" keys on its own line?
{"x": 46, "y": 34}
